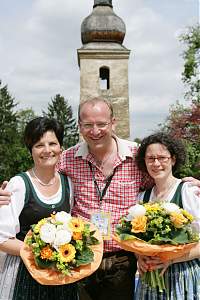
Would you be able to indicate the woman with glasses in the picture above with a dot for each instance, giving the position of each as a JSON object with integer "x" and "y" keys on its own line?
{"x": 160, "y": 156}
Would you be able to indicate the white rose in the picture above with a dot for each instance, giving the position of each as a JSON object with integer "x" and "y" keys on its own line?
{"x": 129, "y": 217}
{"x": 48, "y": 233}
{"x": 63, "y": 217}
{"x": 62, "y": 237}
{"x": 137, "y": 211}
{"x": 171, "y": 207}
{"x": 64, "y": 226}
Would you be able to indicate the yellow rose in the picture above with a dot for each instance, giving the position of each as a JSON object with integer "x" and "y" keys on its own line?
{"x": 178, "y": 219}
{"x": 139, "y": 224}
{"x": 187, "y": 215}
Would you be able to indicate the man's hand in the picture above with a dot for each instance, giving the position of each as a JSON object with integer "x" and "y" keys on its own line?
{"x": 193, "y": 181}
{"x": 5, "y": 196}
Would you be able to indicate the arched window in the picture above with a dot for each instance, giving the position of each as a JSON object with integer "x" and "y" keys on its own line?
{"x": 104, "y": 78}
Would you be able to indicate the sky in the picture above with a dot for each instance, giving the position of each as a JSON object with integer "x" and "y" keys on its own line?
{"x": 38, "y": 53}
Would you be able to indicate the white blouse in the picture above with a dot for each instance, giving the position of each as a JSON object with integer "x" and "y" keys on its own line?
{"x": 9, "y": 214}
{"x": 190, "y": 200}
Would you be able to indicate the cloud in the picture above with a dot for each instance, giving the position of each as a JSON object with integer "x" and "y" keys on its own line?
{"x": 40, "y": 38}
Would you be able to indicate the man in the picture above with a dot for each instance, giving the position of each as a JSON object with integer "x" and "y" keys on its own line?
{"x": 106, "y": 183}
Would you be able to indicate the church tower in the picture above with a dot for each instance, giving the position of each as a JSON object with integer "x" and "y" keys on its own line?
{"x": 103, "y": 62}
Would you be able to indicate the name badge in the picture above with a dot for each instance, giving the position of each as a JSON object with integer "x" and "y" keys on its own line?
{"x": 102, "y": 220}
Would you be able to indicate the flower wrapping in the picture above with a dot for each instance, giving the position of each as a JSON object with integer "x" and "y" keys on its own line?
{"x": 61, "y": 249}
{"x": 165, "y": 252}
{"x": 156, "y": 229}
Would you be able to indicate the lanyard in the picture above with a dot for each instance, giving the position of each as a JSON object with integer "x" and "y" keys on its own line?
{"x": 101, "y": 193}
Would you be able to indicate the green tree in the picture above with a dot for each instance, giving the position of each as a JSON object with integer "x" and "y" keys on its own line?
{"x": 23, "y": 156}
{"x": 8, "y": 133}
{"x": 24, "y": 116}
{"x": 60, "y": 110}
{"x": 13, "y": 155}
{"x": 184, "y": 121}
{"x": 191, "y": 56}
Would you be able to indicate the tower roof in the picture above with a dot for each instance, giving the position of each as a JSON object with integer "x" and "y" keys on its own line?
{"x": 103, "y": 2}
{"x": 102, "y": 25}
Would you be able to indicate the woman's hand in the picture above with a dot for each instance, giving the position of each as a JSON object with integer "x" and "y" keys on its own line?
{"x": 141, "y": 264}
{"x": 147, "y": 263}
{"x": 150, "y": 263}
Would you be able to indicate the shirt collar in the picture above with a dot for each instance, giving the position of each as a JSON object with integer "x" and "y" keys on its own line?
{"x": 124, "y": 149}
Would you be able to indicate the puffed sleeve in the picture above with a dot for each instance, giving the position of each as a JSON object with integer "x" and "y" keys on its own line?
{"x": 9, "y": 214}
{"x": 191, "y": 203}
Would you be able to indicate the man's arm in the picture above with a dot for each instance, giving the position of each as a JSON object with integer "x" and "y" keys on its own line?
{"x": 5, "y": 196}
{"x": 193, "y": 181}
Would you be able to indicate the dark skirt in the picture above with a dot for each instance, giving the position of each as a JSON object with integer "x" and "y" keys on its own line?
{"x": 26, "y": 288}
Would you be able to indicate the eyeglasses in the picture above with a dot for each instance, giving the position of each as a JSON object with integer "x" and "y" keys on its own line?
{"x": 161, "y": 159}
{"x": 99, "y": 125}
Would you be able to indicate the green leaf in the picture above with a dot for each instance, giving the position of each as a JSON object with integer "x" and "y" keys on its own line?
{"x": 126, "y": 236}
{"x": 43, "y": 263}
{"x": 85, "y": 257}
{"x": 180, "y": 237}
{"x": 91, "y": 240}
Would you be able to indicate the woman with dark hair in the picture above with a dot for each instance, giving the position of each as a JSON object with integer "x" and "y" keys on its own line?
{"x": 36, "y": 194}
{"x": 160, "y": 155}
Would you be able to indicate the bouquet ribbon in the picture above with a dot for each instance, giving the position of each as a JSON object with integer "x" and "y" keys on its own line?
{"x": 50, "y": 276}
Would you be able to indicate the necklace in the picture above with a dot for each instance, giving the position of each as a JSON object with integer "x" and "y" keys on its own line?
{"x": 51, "y": 182}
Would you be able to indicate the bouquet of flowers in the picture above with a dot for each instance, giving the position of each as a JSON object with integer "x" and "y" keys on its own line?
{"x": 62, "y": 249}
{"x": 156, "y": 229}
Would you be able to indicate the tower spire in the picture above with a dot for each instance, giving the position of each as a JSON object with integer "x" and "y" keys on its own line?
{"x": 102, "y": 3}
{"x": 103, "y": 25}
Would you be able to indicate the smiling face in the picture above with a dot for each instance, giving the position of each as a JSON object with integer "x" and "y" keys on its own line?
{"x": 96, "y": 125}
{"x": 159, "y": 161}
{"x": 46, "y": 152}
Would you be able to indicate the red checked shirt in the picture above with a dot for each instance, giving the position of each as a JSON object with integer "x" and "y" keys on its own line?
{"x": 121, "y": 193}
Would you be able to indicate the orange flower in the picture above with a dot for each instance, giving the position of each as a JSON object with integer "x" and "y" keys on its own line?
{"x": 139, "y": 224}
{"x": 178, "y": 219}
{"x": 77, "y": 236}
{"x": 46, "y": 253}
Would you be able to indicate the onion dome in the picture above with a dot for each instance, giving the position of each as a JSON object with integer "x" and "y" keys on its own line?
{"x": 103, "y": 25}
